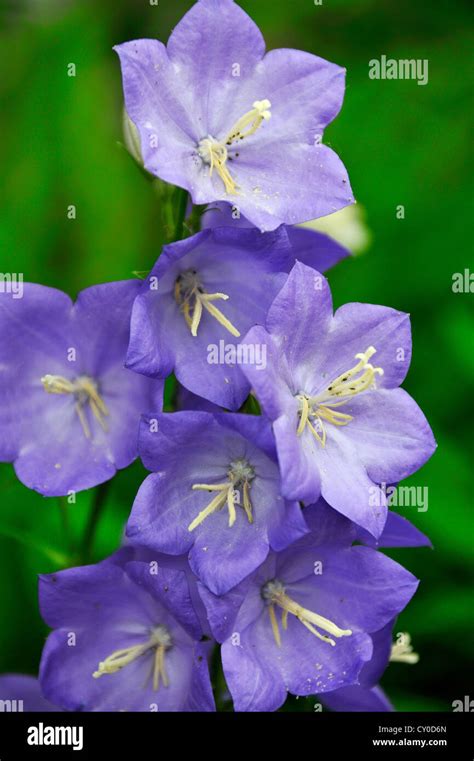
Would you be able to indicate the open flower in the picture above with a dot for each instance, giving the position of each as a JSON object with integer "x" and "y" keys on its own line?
{"x": 302, "y": 622}
{"x": 218, "y": 117}
{"x": 126, "y": 638}
{"x": 214, "y": 493}
{"x": 330, "y": 386}
{"x": 69, "y": 410}
{"x": 201, "y": 297}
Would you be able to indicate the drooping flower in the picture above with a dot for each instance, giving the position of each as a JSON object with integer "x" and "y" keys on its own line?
{"x": 302, "y": 622}
{"x": 126, "y": 638}
{"x": 201, "y": 297}
{"x": 313, "y": 248}
{"x": 330, "y": 386}
{"x": 218, "y": 117}
{"x": 21, "y": 692}
{"x": 214, "y": 493}
{"x": 69, "y": 410}
{"x": 347, "y": 226}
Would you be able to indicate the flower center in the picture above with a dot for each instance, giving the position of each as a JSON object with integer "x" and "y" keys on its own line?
{"x": 215, "y": 153}
{"x": 314, "y": 410}
{"x": 159, "y": 641}
{"x": 85, "y": 392}
{"x": 273, "y": 592}
{"x": 234, "y": 492}
{"x": 402, "y": 650}
{"x": 192, "y": 299}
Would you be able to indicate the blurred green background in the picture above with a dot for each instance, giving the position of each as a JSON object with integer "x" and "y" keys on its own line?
{"x": 403, "y": 144}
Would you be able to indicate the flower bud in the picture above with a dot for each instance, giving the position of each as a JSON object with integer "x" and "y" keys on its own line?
{"x": 131, "y": 138}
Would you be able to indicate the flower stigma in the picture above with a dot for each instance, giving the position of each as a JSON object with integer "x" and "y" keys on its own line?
{"x": 314, "y": 411}
{"x": 85, "y": 391}
{"x": 216, "y": 153}
{"x": 234, "y": 492}
{"x": 159, "y": 641}
{"x": 193, "y": 299}
{"x": 274, "y": 594}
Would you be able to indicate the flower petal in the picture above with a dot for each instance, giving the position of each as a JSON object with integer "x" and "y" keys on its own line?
{"x": 345, "y": 484}
{"x": 297, "y": 184}
{"x": 398, "y": 532}
{"x": 298, "y": 318}
{"x": 357, "y": 698}
{"x": 27, "y": 691}
{"x": 207, "y": 45}
{"x": 354, "y": 328}
{"x": 300, "y": 475}
{"x": 315, "y": 249}
{"x": 392, "y": 436}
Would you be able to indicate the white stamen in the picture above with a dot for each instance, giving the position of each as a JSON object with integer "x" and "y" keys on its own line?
{"x": 192, "y": 299}
{"x": 84, "y": 389}
{"x": 274, "y": 593}
{"x": 159, "y": 640}
{"x": 239, "y": 476}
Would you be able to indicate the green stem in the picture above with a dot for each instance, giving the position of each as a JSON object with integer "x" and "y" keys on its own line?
{"x": 66, "y": 528}
{"x": 174, "y": 205}
{"x": 180, "y": 204}
{"x": 99, "y": 500}
{"x": 58, "y": 558}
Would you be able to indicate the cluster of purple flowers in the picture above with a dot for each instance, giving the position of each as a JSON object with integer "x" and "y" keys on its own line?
{"x": 261, "y": 532}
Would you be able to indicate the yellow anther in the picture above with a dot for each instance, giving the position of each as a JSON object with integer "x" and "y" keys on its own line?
{"x": 315, "y": 410}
